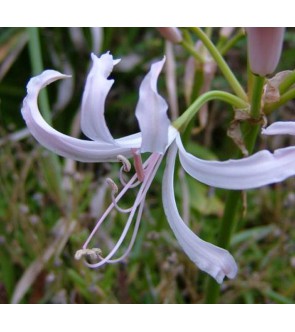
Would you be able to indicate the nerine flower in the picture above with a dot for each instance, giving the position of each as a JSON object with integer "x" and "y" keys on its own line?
{"x": 156, "y": 136}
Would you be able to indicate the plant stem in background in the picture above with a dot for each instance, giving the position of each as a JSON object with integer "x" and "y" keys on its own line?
{"x": 229, "y": 219}
{"x": 231, "y": 42}
{"x": 190, "y": 48}
{"x": 37, "y": 68}
{"x": 287, "y": 82}
{"x": 290, "y": 94}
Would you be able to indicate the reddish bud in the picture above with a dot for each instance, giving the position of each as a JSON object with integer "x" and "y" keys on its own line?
{"x": 171, "y": 34}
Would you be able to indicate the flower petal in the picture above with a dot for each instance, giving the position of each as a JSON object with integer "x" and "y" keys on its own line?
{"x": 66, "y": 146}
{"x": 280, "y": 128}
{"x": 260, "y": 169}
{"x": 209, "y": 258}
{"x": 97, "y": 87}
{"x": 151, "y": 113}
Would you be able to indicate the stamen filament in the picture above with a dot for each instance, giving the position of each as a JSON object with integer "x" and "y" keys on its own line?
{"x": 123, "y": 182}
{"x": 151, "y": 170}
{"x": 111, "y": 206}
{"x": 135, "y": 231}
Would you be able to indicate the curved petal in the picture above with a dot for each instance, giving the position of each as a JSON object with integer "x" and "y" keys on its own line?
{"x": 260, "y": 169}
{"x": 209, "y": 258}
{"x": 131, "y": 141}
{"x": 151, "y": 113}
{"x": 280, "y": 128}
{"x": 96, "y": 90}
{"x": 66, "y": 146}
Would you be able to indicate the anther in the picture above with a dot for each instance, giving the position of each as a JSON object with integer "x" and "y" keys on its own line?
{"x": 126, "y": 163}
{"x": 92, "y": 254}
{"x": 113, "y": 185}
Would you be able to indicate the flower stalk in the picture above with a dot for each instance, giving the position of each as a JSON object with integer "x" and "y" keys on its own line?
{"x": 223, "y": 66}
{"x": 181, "y": 123}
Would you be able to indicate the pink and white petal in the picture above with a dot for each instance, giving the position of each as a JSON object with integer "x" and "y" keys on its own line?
{"x": 280, "y": 128}
{"x": 260, "y": 169}
{"x": 97, "y": 87}
{"x": 209, "y": 258}
{"x": 131, "y": 141}
{"x": 66, "y": 146}
{"x": 151, "y": 112}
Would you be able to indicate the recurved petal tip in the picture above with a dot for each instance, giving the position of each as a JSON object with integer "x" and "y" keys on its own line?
{"x": 37, "y": 83}
{"x": 215, "y": 261}
{"x": 280, "y": 128}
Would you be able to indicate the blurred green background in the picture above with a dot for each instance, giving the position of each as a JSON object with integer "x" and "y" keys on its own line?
{"x": 49, "y": 204}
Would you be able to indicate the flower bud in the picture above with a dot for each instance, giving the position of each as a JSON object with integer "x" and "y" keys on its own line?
{"x": 264, "y": 49}
{"x": 225, "y": 32}
{"x": 171, "y": 34}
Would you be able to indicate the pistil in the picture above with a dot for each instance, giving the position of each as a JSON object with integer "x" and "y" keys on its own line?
{"x": 138, "y": 164}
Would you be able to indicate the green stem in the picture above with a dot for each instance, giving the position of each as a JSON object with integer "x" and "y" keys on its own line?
{"x": 229, "y": 98}
{"x": 256, "y": 96}
{"x": 251, "y": 131}
{"x": 283, "y": 100}
{"x": 37, "y": 68}
{"x": 228, "y": 225}
{"x": 228, "y": 74}
{"x": 229, "y": 219}
{"x": 230, "y": 43}
{"x": 190, "y": 48}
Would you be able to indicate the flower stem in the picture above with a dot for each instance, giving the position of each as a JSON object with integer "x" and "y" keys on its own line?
{"x": 181, "y": 123}
{"x": 256, "y": 96}
{"x": 228, "y": 225}
{"x": 37, "y": 68}
{"x": 229, "y": 219}
{"x": 190, "y": 48}
{"x": 228, "y": 74}
{"x": 230, "y": 43}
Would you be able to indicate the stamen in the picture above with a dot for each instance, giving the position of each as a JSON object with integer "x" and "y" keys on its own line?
{"x": 124, "y": 183}
{"x": 152, "y": 167}
{"x": 138, "y": 165}
{"x": 113, "y": 185}
{"x": 135, "y": 231}
{"x": 115, "y": 190}
{"x": 125, "y": 162}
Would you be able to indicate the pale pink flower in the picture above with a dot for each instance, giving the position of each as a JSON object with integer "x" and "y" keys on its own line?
{"x": 157, "y": 135}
